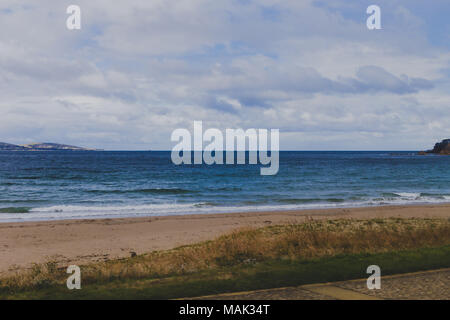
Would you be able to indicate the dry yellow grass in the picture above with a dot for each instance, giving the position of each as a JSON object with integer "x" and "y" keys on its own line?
{"x": 305, "y": 241}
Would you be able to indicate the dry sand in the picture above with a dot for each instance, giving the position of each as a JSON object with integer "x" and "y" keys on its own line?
{"x": 82, "y": 241}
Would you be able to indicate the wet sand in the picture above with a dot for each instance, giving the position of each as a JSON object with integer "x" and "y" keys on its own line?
{"x": 82, "y": 241}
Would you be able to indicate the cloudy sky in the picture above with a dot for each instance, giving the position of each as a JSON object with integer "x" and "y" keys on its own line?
{"x": 138, "y": 69}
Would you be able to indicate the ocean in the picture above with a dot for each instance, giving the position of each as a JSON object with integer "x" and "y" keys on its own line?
{"x": 70, "y": 185}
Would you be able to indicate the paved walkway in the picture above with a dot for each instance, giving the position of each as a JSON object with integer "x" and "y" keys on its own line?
{"x": 427, "y": 285}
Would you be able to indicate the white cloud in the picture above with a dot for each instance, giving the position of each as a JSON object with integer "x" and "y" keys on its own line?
{"x": 139, "y": 69}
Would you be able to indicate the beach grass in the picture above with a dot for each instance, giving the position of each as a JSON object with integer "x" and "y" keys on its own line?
{"x": 250, "y": 259}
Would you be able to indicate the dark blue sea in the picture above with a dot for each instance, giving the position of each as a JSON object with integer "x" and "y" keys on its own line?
{"x": 67, "y": 185}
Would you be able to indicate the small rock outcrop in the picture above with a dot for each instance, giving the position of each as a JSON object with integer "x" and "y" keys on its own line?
{"x": 442, "y": 147}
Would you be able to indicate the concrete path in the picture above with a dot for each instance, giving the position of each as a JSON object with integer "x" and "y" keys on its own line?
{"x": 426, "y": 285}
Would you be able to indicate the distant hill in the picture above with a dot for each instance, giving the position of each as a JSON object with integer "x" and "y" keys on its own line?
{"x": 10, "y": 147}
{"x": 48, "y": 146}
{"x": 41, "y": 147}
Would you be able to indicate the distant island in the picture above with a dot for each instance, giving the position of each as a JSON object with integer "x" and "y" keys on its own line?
{"x": 442, "y": 148}
{"x": 42, "y": 147}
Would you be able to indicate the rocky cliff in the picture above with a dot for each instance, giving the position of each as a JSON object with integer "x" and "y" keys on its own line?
{"x": 442, "y": 147}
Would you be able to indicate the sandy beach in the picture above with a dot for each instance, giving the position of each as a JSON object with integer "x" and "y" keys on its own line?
{"x": 83, "y": 241}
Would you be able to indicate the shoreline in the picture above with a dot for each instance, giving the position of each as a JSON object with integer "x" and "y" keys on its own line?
{"x": 81, "y": 241}
{"x": 212, "y": 212}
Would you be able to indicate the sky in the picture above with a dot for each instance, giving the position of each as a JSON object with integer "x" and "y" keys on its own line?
{"x": 139, "y": 69}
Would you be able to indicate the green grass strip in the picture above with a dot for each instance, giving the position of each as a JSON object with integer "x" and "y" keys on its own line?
{"x": 265, "y": 275}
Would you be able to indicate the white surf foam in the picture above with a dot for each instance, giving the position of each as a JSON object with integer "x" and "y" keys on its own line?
{"x": 411, "y": 195}
{"x": 63, "y": 212}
